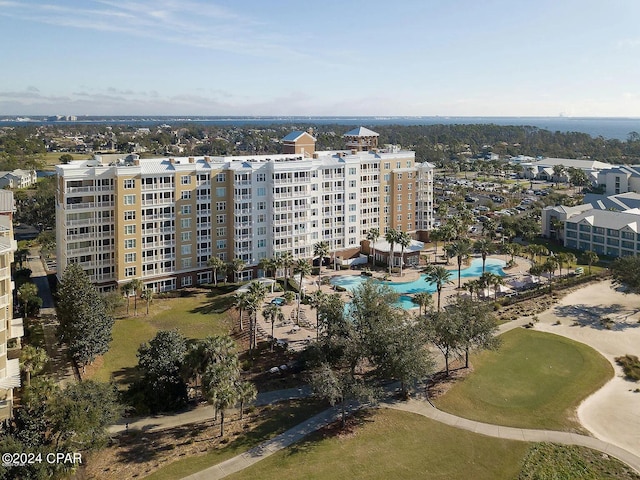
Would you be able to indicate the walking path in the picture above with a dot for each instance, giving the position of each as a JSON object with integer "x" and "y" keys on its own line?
{"x": 59, "y": 365}
{"x": 522, "y": 434}
{"x": 201, "y": 413}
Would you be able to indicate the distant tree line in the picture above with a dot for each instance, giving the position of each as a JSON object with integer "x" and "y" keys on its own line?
{"x": 22, "y": 146}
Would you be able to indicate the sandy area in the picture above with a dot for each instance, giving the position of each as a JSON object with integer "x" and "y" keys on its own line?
{"x": 612, "y": 414}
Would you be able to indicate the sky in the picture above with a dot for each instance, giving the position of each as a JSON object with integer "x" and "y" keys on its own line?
{"x": 330, "y": 57}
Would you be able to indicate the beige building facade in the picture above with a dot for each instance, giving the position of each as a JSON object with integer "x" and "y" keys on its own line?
{"x": 161, "y": 219}
{"x": 10, "y": 328}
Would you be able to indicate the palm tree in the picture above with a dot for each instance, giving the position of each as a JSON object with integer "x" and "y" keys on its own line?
{"x": 136, "y": 286}
{"x": 287, "y": 262}
{"x": 256, "y": 295}
{"x": 484, "y": 247}
{"x": 237, "y": 265}
{"x": 33, "y": 360}
{"x": 241, "y": 303}
{"x": 436, "y": 235}
{"x": 126, "y": 291}
{"x": 147, "y": 296}
{"x": 215, "y": 264}
{"x": 26, "y": 293}
{"x": 206, "y": 352}
{"x": 320, "y": 249}
{"x": 424, "y": 301}
{"x": 268, "y": 265}
{"x": 439, "y": 276}
{"x": 558, "y": 170}
{"x": 391, "y": 237}
{"x": 246, "y": 393}
{"x": 270, "y": 314}
{"x": 557, "y": 225}
{"x": 461, "y": 250}
{"x": 590, "y": 258}
{"x": 550, "y": 266}
{"x": 316, "y": 300}
{"x": 404, "y": 240}
{"x": 373, "y": 235}
{"x": 473, "y": 286}
{"x": 303, "y": 268}
{"x": 565, "y": 258}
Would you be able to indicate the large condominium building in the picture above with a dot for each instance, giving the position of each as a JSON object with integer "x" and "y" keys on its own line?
{"x": 161, "y": 219}
{"x": 10, "y": 328}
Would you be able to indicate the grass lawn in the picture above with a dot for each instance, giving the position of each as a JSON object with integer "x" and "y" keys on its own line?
{"x": 535, "y": 380}
{"x": 394, "y": 444}
{"x": 195, "y": 316}
{"x": 53, "y": 158}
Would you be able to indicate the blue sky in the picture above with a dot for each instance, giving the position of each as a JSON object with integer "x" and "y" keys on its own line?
{"x": 329, "y": 57}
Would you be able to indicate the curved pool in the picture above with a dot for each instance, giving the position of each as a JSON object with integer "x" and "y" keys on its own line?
{"x": 493, "y": 265}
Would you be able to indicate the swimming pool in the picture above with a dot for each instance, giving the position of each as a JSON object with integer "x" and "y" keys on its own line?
{"x": 351, "y": 282}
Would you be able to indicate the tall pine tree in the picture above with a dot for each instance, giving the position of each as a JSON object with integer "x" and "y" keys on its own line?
{"x": 85, "y": 325}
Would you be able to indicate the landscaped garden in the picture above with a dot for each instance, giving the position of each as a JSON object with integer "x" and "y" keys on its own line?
{"x": 535, "y": 380}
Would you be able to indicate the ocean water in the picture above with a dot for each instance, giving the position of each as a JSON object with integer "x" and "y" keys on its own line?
{"x": 607, "y": 127}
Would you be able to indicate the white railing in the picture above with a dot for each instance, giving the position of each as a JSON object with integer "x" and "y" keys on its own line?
{"x": 77, "y": 206}
{"x": 158, "y": 186}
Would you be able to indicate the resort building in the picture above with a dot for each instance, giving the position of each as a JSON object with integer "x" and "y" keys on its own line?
{"x": 542, "y": 169}
{"x": 621, "y": 179}
{"x": 10, "y": 328}
{"x": 18, "y": 179}
{"x": 605, "y": 225}
{"x": 161, "y": 219}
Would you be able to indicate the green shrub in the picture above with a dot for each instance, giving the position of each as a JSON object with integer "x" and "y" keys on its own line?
{"x": 315, "y": 270}
{"x": 344, "y": 267}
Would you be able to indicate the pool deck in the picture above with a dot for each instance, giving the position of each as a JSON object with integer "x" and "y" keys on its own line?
{"x": 297, "y": 338}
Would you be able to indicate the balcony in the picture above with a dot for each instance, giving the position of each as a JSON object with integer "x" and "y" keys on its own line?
{"x": 158, "y": 186}
{"x": 10, "y": 376}
{"x": 158, "y": 216}
{"x": 158, "y": 201}
{"x": 16, "y": 328}
{"x": 91, "y": 205}
{"x": 89, "y": 189}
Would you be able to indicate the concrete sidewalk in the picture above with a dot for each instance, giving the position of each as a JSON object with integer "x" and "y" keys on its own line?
{"x": 265, "y": 449}
{"x": 201, "y": 413}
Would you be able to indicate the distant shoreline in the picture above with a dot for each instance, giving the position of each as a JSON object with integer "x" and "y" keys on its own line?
{"x": 606, "y": 127}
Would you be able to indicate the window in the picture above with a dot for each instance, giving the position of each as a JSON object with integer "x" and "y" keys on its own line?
{"x": 387, "y": 177}
{"x": 261, "y": 177}
{"x": 130, "y": 243}
{"x": 262, "y": 205}
{"x": 130, "y": 272}
{"x": 185, "y": 236}
{"x": 352, "y": 196}
{"x": 221, "y": 206}
{"x": 185, "y": 249}
{"x": 352, "y": 184}
{"x": 186, "y": 263}
{"x": 221, "y": 231}
{"x": 185, "y": 209}
{"x": 262, "y": 218}
{"x": 221, "y": 219}
{"x": 387, "y": 166}
{"x": 262, "y": 191}
{"x": 352, "y": 207}
{"x": 399, "y": 197}
{"x": 399, "y": 188}
{"x": 129, "y": 257}
{"x": 186, "y": 281}
{"x": 221, "y": 177}
{"x": 185, "y": 223}
{"x": 262, "y": 230}
{"x": 399, "y": 218}
{"x": 185, "y": 179}
{"x": 221, "y": 244}
{"x": 409, "y": 165}
{"x": 352, "y": 171}
{"x": 129, "y": 184}
{"x": 262, "y": 243}
{"x": 129, "y": 199}
{"x": 352, "y": 218}
{"x": 221, "y": 191}
{"x": 130, "y": 215}
{"x": 186, "y": 195}
{"x": 399, "y": 176}
{"x": 129, "y": 229}
{"x": 398, "y": 164}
